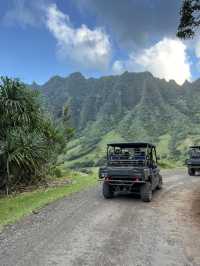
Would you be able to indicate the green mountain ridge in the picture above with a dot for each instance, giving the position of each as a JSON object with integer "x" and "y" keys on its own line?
{"x": 128, "y": 107}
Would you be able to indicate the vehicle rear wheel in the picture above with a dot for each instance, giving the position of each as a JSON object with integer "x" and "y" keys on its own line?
{"x": 160, "y": 184}
{"x": 191, "y": 172}
{"x": 146, "y": 192}
{"x": 107, "y": 191}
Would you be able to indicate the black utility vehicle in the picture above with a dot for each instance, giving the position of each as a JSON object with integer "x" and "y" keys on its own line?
{"x": 193, "y": 163}
{"x": 131, "y": 167}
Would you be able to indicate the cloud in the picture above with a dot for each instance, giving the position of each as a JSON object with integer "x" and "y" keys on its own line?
{"x": 197, "y": 47}
{"x": 135, "y": 22}
{"x": 25, "y": 13}
{"x": 119, "y": 66}
{"x": 166, "y": 59}
{"x": 87, "y": 48}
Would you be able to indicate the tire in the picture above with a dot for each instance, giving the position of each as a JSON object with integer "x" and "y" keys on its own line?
{"x": 160, "y": 184}
{"x": 191, "y": 172}
{"x": 107, "y": 191}
{"x": 146, "y": 192}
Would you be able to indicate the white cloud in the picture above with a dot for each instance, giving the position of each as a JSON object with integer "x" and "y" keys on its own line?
{"x": 24, "y": 13}
{"x": 118, "y": 67}
{"x": 197, "y": 47}
{"x": 88, "y": 48}
{"x": 166, "y": 59}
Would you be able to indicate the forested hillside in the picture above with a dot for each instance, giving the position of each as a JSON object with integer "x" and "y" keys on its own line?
{"x": 132, "y": 107}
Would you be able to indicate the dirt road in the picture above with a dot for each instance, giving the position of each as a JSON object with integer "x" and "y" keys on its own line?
{"x": 85, "y": 229}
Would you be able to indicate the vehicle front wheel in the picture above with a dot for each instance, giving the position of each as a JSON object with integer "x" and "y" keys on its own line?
{"x": 146, "y": 192}
{"x": 107, "y": 191}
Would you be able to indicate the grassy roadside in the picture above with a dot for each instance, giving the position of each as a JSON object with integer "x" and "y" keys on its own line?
{"x": 13, "y": 208}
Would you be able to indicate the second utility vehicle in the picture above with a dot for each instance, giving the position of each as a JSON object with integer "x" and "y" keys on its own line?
{"x": 131, "y": 167}
{"x": 193, "y": 163}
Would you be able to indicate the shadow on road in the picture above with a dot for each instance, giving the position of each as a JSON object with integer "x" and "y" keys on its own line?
{"x": 135, "y": 197}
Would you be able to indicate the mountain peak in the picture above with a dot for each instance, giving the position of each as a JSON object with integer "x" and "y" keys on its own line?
{"x": 55, "y": 78}
{"x": 186, "y": 83}
{"x": 34, "y": 84}
{"x": 146, "y": 74}
{"x": 76, "y": 75}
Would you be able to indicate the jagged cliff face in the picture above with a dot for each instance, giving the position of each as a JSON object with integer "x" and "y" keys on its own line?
{"x": 135, "y": 106}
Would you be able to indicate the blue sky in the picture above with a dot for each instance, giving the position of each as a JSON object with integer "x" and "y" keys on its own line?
{"x": 43, "y": 38}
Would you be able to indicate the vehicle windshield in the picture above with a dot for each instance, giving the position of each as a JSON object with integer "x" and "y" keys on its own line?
{"x": 194, "y": 153}
{"x": 116, "y": 153}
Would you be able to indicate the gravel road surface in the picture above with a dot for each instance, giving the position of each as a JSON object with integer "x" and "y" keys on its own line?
{"x": 86, "y": 229}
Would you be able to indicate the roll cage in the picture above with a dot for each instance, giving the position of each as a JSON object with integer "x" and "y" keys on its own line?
{"x": 194, "y": 151}
{"x": 138, "y": 154}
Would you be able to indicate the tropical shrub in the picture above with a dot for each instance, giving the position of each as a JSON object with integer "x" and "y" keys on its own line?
{"x": 29, "y": 139}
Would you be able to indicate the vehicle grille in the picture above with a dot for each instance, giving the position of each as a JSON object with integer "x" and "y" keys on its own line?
{"x": 122, "y": 177}
{"x": 122, "y": 180}
{"x": 127, "y": 163}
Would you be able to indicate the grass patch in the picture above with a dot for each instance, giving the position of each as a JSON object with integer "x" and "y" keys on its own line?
{"x": 165, "y": 164}
{"x": 13, "y": 208}
{"x": 95, "y": 154}
{"x": 163, "y": 146}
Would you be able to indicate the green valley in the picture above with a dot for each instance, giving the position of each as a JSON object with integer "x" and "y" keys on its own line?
{"x": 127, "y": 107}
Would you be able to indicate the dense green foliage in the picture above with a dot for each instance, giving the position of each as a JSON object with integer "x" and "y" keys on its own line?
{"x": 29, "y": 141}
{"x": 132, "y": 107}
{"x": 190, "y": 20}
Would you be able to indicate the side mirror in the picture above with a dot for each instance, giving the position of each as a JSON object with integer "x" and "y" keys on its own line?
{"x": 186, "y": 161}
{"x": 158, "y": 158}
